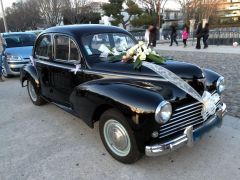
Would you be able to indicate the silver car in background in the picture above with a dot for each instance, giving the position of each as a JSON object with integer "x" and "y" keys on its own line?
{"x": 18, "y": 51}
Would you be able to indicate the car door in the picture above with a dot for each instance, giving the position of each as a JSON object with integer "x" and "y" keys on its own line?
{"x": 43, "y": 55}
{"x": 63, "y": 79}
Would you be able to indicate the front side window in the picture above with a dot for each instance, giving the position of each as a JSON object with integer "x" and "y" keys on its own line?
{"x": 65, "y": 49}
{"x": 44, "y": 46}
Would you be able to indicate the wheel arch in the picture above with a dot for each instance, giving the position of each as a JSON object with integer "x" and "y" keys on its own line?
{"x": 99, "y": 111}
{"x": 89, "y": 101}
{"x": 29, "y": 71}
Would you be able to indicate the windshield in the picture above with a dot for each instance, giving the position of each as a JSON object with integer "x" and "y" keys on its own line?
{"x": 96, "y": 44}
{"x": 19, "y": 40}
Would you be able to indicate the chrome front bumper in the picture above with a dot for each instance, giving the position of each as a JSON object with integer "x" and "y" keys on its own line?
{"x": 188, "y": 137}
{"x": 13, "y": 67}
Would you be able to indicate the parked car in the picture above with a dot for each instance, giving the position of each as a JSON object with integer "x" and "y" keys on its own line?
{"x": 138, "y": 111}
{"x": 18, "y": 51}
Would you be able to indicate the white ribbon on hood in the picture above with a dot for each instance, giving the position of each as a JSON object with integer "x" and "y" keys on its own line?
{"x": 208, "y": 100}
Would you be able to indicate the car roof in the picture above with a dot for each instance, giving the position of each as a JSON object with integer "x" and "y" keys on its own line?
{"x": 84, "y": 29}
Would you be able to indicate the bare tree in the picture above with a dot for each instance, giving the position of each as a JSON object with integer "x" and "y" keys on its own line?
{"x": 185, "y": 7}
{"x": 51, "y": 10}
{"x": 154, "y": 6}
{"x": 76, "y": 11}
{"x": 23, "y": 15}
{"x": 198, "y": 9}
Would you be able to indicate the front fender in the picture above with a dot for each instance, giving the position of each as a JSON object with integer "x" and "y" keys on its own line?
{"x": 29, "y": 71}
{"x": 136, "y": 100}
{"x": 130, "y": 99}
{"x": 211, "y": 79}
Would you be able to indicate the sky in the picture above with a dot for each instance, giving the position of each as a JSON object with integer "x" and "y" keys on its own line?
{"x": 7, "y": 3}
{"x": 170, "y": 4}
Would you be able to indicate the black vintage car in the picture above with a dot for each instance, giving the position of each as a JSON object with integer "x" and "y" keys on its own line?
{"x": 139, "y": 112}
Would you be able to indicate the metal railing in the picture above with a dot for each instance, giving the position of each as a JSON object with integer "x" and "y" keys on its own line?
{"x": 216, "y": 37}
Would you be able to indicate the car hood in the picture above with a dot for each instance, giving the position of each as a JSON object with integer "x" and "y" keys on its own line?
{"x": 182, "y": 69}
{"x": 23, "y": 52}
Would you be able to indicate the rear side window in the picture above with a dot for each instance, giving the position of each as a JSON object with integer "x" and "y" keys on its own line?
{"x": 44, "y": 47}
{"x": 65, "y": 49}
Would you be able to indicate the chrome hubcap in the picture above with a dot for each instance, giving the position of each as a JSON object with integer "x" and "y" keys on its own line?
{"x": 117, "y": 137}
{"x": 32, "y": 92}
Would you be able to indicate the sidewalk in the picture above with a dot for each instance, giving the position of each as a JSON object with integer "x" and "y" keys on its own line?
{"x": 190, "y": 48}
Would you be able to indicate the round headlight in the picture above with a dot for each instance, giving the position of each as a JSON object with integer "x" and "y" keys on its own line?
{"x": 220, "y": 85}
{"x": 163, "y": 112}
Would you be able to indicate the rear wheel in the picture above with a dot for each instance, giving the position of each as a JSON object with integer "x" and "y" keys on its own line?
{"x": 33, "y": 94}
{"x": 118, "y": 137}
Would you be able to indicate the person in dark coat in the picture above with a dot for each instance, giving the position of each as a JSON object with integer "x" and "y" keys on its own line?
{"x": 199, "y": 35}
{"x": 152, "y": 37}
{"x": 205, "y": 35}
{"x": 173, "y": 35}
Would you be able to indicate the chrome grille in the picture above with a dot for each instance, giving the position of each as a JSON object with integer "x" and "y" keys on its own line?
{"x": 183, "y": 117}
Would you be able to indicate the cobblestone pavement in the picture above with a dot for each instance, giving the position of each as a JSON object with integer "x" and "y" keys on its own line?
{"x": 226, "y": 64}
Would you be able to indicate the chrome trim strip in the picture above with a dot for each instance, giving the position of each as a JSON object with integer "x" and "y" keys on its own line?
{"x": 181, "y": 108}
{"x": 125, "y": 75}
{"x": 183, "y": 125}
{"x": 63, "y": 66}
{"x": 99, "y": 72}
{"x": 171, "y": 133}
{"x": 182, "y": 120}
{"x": 173, "y": 119}
{"x": 175, "y": 114}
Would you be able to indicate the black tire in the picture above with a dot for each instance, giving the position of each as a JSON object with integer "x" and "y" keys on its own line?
{"x": 133, "y": 154}
{"x": 37, "y": 100}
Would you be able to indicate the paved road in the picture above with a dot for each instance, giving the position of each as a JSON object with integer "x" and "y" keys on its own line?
{"x": 47, "y": 143}
{"x": 223, "y": 59}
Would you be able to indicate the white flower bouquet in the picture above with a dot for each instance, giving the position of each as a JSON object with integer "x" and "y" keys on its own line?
{"x": 139, "y": 53}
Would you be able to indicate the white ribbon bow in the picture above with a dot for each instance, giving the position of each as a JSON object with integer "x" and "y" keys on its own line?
{"x": 77, "y": 67}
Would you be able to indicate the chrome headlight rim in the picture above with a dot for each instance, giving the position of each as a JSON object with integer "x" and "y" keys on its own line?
{"x": 158, "y": 116}
{"x": 220, "y": 85}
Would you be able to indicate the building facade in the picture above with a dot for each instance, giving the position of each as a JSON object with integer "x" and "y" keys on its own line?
{"x": 229, "y": 12}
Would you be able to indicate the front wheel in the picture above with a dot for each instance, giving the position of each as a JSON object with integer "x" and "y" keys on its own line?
{"x": 34, "y": 96}
{"x": 118, "y": 137}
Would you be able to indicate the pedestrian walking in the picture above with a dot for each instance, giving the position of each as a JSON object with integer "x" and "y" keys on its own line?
{"x": 185, "y": 35}
{"x": 205, "y": 35}
{"x": 198, "y": 34}
{"x": 173, "y": 34}
{"x": 153, "y": 37}
{"x": 2, "y": 48}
